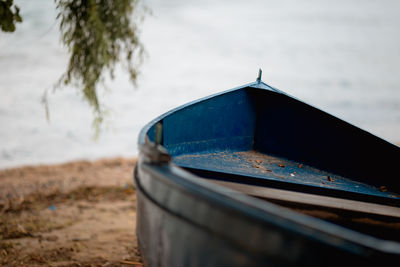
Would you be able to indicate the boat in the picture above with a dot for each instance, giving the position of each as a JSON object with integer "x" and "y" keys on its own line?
{"x": 255, "y": 177}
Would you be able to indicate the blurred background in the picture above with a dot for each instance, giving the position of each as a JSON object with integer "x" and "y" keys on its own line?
{"x": 341, "y": 56}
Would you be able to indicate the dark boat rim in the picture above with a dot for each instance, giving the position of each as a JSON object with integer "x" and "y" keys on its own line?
{"x": 256, "y": 209}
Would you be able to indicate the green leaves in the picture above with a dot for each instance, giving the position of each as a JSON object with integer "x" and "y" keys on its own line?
{"x": 8, "y": 18}
{"x": 98, "y": 34}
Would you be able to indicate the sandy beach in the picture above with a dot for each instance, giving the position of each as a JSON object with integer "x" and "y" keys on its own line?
{"x": 79, "y": 213}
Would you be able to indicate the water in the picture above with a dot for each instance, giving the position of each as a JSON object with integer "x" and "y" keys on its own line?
{"x": 340, "y": 56}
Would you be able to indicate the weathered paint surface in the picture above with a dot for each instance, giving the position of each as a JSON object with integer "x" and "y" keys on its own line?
{"x": 207, "y": 135}
{"x": 256, "y": 166}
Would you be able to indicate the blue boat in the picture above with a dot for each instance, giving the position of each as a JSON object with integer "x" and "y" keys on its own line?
{"x": 255, "y": 177}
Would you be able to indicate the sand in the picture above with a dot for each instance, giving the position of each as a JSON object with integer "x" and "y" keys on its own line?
{"x": 75, "y": 214}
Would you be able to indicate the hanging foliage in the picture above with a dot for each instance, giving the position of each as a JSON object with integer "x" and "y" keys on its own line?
{"x": 98, "y": 34}
{"x": 8, "y": 15}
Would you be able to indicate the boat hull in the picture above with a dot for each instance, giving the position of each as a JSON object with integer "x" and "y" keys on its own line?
{"x": 179, "y": 225}
{"x": 256, "y": 135}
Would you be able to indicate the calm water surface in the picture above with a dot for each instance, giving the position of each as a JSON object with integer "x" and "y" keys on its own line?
{"x": 340, "y": 56}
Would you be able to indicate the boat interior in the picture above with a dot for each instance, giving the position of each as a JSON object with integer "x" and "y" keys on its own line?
{"x": 261, "y": 142}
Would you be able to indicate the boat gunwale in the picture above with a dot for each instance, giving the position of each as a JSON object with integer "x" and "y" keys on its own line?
{"x": 261, "y": 211}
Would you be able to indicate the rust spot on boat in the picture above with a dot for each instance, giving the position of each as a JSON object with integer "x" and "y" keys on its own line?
{"x": 383, "y": 188}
